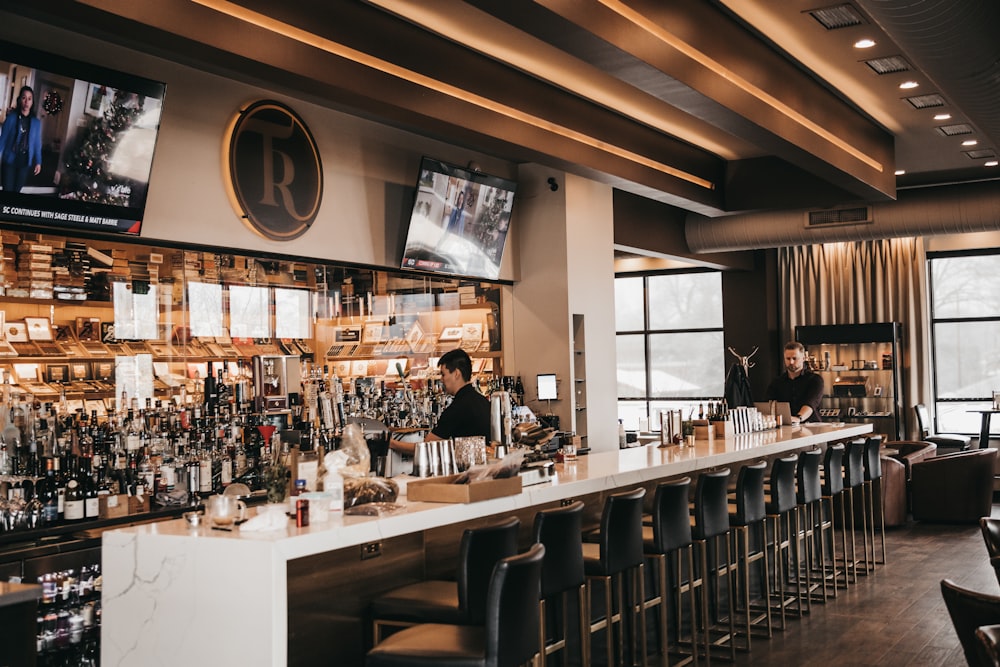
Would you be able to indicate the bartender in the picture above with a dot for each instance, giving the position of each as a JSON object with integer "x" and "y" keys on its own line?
{"x": 469, "y": 411}
{"x": 798, "y": 385}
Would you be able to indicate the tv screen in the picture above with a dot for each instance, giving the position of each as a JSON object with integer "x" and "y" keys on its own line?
{"x": 76, "y": 144}
{"x": 459, "y": 221}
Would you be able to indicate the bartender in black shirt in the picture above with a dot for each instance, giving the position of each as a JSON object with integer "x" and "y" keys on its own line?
{"x": 469, "y": 411}
{"x": 798, "y": 385}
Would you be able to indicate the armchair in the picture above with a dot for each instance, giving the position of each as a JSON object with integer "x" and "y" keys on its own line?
{"x": 955, "y": 488}
{"x": 896, "y": 472}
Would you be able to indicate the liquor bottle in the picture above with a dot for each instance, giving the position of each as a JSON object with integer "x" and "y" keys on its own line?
{"x": 146, "y": 471}
{"x": 91, "y": 504}
{"x": 48, "y": 495}
{"x": 205, "y": 472}
{"x": 211, "y": 392}
{"x": 60, "y": 482}
{"x": 4, "y": 457}
{"x": 75, "y": 501}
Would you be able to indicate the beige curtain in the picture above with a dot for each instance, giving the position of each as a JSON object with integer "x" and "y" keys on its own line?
{"x": 860, "y": 283}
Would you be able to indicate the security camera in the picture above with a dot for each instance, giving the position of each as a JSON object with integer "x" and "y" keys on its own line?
{"x": 553, "y": 185}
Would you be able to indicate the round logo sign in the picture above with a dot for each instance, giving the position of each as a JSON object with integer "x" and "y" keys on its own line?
{"x": 275, "y": 172}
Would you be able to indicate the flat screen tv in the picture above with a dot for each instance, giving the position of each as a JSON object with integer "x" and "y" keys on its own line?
{"x": 76, "y": 144}
{"x": 459, "y": 221}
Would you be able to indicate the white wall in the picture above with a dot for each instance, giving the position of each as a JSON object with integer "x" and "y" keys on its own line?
{"x": 591, "y": 276}
{"x": 567, "y": 267}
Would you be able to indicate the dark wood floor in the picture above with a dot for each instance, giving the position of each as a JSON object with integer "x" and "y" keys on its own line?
{"x": 897, "y": 615}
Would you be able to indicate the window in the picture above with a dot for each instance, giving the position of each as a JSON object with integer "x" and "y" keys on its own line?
{"x": 965, "y": 338}
{"x": 669, "y": 344}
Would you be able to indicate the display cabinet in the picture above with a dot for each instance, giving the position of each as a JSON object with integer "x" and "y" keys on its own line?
{"x": 84, "y": 320}
{"x": 861, "y": 367}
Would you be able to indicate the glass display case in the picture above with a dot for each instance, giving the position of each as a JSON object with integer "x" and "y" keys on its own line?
{"x": 89, "y": 319}
{"x": 860, "y": 364}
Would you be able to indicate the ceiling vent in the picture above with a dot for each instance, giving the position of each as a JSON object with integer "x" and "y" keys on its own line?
{"x": 955, "y": 130}
{"x": 926, "y": 101}
{"x": 889, "y": 65}
{"x": 981, "y": 154}
{"x": 838, "y": 16}
{"x": 839, "y": 216}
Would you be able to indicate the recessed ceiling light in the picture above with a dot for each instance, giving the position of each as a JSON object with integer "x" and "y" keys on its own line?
{"x": 991, "y": 163}
{"x": 969, "y": 142}
{"x": 907, "y": 85}
{"x": 864, "y": 43}
{"x": 942, "y": 116}
{"x": 900, "y": 172}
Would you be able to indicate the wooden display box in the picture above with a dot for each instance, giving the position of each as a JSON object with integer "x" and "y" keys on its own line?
{"x": 441, "y": 489}
{"x": 112, "y": 507}
{"x": 138, "y": 504}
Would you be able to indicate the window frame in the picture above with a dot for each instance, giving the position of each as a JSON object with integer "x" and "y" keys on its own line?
{"x": 933, "y": 321}
{"x": 648, "y": 399}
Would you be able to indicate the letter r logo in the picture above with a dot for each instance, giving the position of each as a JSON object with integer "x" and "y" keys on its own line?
{"x": 275, "y": 172}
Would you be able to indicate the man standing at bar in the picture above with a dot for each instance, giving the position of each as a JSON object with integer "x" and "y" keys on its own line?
{"x": 798, "y": 385}
{"x": 469, "y": 411}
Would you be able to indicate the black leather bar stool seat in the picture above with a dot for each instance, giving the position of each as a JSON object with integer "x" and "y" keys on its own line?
{"x": 872, "y": 492}
{"x": 782, "y": 516}
{"x": 619, "y": 550}
{"x": 809, "y": 497}
{"x": 710, "y": 531}
{"x": 559, "y": 530}
{"x": 507, "y": 638}
{"x": 664, "y": 541}
{"x": 832, "y": 489}
{"x": 461, "y": 602}
{"x": 947, "y": 443}
{"x": 747, "y": 511}
{"x": 854, "y": 478}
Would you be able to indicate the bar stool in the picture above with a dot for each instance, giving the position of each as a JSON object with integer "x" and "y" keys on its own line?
{"x": 507, "y": 637}
{"x": 854, "y": 477}
{"x": 809, "y": 495}
{"x": 873, "y": 486}
{"x": 782, "y": 516}
{"x": 710, "y": 532}
{"x": 670, "y": 533}
{"x": 461, "y": 602}
{"x": 559, "y": 531}
{"x": 748, "y": 512}
{"x": 832, "y": 485}
{"x": 619, "y": 550}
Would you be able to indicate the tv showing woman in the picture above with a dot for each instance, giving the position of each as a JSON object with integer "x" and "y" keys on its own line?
{"x": 21, "y": 143}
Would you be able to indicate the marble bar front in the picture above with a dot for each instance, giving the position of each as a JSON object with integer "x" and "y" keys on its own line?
{"x": 174, "y": 593}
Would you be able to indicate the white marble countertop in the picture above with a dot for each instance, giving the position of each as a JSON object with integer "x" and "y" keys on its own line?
{"x": 592, "y": 473}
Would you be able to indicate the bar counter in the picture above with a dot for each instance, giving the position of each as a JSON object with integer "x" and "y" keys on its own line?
{"x": 173, "y": 592}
